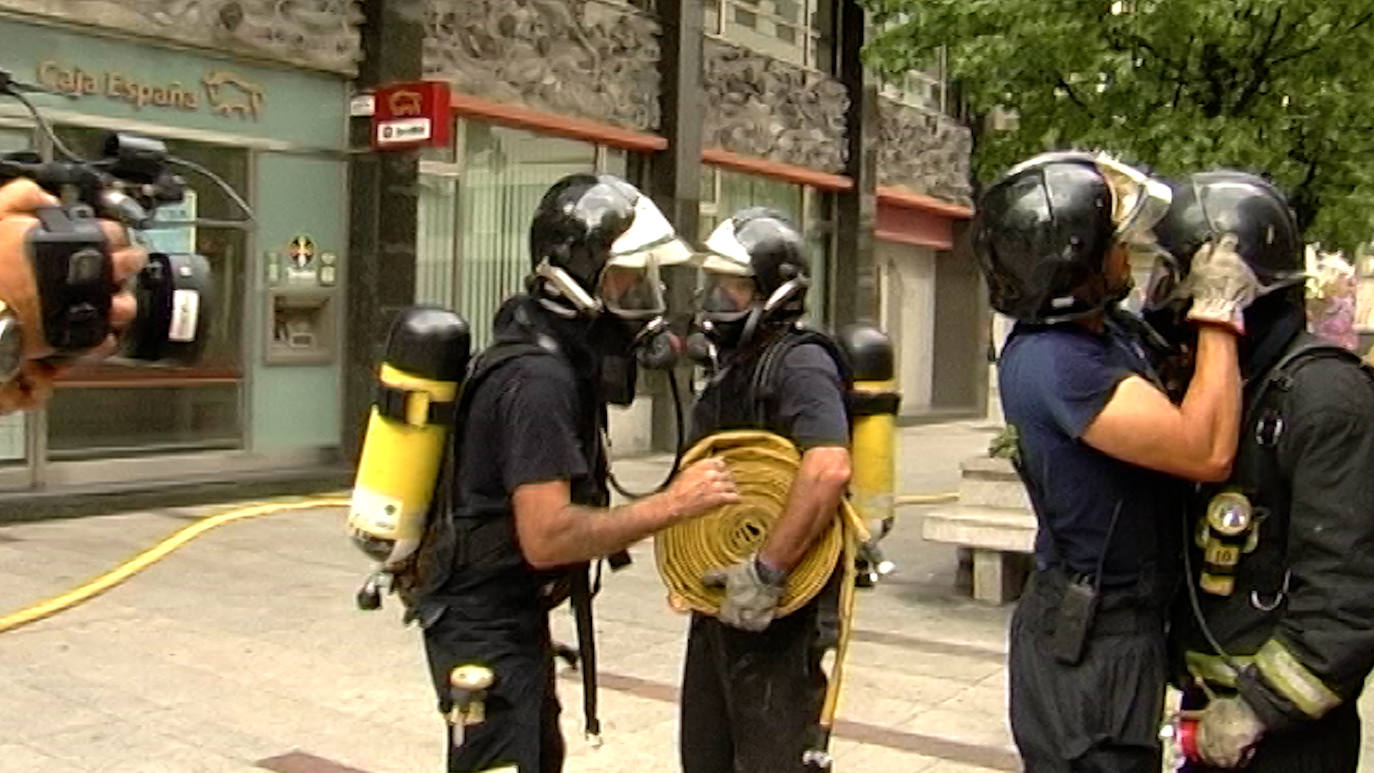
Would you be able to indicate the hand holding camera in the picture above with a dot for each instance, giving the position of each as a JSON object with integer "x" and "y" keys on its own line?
{"x": 72, "y": 283}
{"x": 25, "y": 375}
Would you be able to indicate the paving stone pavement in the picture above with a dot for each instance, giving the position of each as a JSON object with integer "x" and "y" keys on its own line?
{"x": 243, "y": 651}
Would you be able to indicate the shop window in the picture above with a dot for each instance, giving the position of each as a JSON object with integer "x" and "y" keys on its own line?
{"x": 796, "y": 31}
{"x": 725, "y": 192}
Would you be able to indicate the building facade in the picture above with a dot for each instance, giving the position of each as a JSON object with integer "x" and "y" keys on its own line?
{"x": 708, "y": 105}
{"x": 257, "y": 92}
{"x": 711, "y": 106}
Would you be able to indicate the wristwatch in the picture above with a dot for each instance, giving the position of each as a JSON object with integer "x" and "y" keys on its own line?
{"x": 11, "y": 344}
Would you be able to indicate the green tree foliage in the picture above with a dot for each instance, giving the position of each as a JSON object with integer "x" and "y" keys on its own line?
{"x": 1284, "y": 88}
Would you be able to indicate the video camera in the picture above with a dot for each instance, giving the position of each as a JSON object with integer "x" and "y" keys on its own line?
{"x": 72, "y": 262}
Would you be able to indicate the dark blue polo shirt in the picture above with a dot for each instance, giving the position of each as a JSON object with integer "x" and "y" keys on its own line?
{"x": 1054, "y": 381}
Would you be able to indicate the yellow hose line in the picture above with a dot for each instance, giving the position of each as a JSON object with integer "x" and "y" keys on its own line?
{"x": 764, "y": 466}
{"x": 846, "y": 623}
{"x": 154, "y": 554}
{"x": 906, "y": 500}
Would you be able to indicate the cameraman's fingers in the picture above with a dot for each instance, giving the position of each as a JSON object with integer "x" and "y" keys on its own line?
{"x": 106, "y": 348}
{"x": 29, "y": 390}
{"x": 128, "y": 262}
{"x": 23, "y": 197}
{"x": 116, "y": 235}
{"x": 17, "y": 287}
{"x": 123, "y": 307}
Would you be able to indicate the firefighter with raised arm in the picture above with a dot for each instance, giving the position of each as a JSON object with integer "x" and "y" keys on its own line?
{"x": 1104, "y": 454}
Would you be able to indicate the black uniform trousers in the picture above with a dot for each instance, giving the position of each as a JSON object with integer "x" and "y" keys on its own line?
{"x": 1102, "y": 714}
{"x": 751, "y": 701}
{"x": 521, "y": 725}
{"x": 1328, "y": 745}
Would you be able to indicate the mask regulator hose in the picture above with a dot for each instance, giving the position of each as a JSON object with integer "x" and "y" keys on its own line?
{"x": 677, "y": 459}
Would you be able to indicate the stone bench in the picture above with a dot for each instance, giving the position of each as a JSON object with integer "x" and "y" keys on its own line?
{"x": 993, "y": 520}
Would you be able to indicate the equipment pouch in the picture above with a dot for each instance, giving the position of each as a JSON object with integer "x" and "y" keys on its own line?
{"x": 1073, "y": 622}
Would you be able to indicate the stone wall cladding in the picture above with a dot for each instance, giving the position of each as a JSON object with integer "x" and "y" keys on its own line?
{"x": 923, "y": 151}
{"x": 586, "y": 58}
{"x": 759, "y": 106}
{"x": 319, "y": 34}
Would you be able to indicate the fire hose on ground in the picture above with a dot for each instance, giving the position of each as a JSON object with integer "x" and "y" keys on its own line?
{"x": 156, "y": 553}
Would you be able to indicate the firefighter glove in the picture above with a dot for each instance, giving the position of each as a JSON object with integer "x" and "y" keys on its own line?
{"x": 1221, "y": 284}
{"x": 751, "y": 601}
{"x": 1227, "y": 730}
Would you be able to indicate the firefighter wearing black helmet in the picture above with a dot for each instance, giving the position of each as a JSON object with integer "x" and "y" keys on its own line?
{"x": 1102, "y": 450}
{"x": 523, "y": 493}
{"x": 1278, "y": 623}
{"x": 753, "y": 685}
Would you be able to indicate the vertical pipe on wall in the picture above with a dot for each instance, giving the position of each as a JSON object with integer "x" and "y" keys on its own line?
{"x": 382, "y": 212}
{"x": 855, "y": 287}
{"x": 675, "y": 184}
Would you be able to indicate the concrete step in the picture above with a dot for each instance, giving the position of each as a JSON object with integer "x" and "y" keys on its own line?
{"x": 991, "y": 483}
{"x": 988, "y": 468}
{"x": 1002, "y": 529}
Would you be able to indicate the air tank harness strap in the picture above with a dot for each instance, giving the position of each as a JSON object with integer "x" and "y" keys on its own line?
{"x": 394, "y": 403}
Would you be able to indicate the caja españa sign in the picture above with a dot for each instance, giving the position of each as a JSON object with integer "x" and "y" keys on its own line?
{"x": 410, "y": 115}
{"x": 221, "y": 91}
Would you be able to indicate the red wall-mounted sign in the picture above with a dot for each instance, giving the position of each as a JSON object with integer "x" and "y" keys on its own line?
{"x": 412, "y": 115}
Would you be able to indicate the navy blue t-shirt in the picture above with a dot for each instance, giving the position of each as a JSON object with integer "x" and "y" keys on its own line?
{"x": 1054, "y": 381}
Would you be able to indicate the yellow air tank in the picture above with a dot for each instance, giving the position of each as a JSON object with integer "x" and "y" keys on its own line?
{"x": 873, "y": 411}
{"x": 426, "y": 357}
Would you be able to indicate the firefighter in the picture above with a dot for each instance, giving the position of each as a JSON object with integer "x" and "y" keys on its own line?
{"x": 753, "y": 686}
{"x": 1277, "y": 628}
{"x": 523, "y": 493}
{"x": 1101, "y": 449}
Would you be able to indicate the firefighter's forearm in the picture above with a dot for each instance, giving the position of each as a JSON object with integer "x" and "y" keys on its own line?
{"x": 1212, "y": 404}
{"x": 811, "y": 504}
{"x": 578, "y": 534}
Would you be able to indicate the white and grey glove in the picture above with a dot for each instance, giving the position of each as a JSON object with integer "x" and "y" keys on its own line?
{"x": 752, "y": 592}
{"x": 1221, "y": 284}
{"x": 1227, "y": 730}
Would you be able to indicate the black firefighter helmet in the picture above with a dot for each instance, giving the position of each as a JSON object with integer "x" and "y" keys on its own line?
{"x": 1043, "y": 231}
{"x": 596, "y": 244}
{"x": 1208, "y": 205}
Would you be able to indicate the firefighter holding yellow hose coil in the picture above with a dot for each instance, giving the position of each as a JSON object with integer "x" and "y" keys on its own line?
{"x": 753, "y": 686}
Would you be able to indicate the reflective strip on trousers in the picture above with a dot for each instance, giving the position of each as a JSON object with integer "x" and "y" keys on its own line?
{"x": 1292, "y": 679}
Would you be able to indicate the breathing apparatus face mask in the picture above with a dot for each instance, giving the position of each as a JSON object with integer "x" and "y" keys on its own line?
{"x": 1138, "y": 203}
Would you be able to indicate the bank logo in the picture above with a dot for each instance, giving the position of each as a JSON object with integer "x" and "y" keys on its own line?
{"x": 229, "y": 94}
{"x": 406, "y": 103}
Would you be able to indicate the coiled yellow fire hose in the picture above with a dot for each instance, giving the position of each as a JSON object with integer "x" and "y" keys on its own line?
{"x": 764, "y": 466}
{"x": 156, "y": 553}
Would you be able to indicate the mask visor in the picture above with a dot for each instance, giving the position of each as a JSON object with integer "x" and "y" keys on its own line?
{"x": 725, "y": 297}
{"x": 632, "y": 292}
{"x": 1138, "y": 200}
